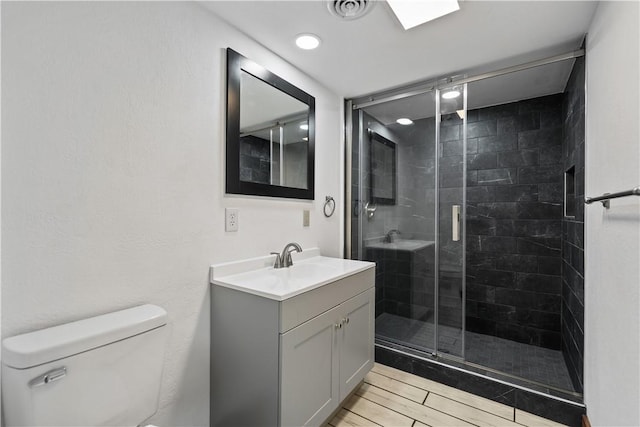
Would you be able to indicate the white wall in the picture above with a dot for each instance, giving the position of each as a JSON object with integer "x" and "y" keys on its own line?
{"x": 612, "y": 267}
{"x": 113, "y": 174}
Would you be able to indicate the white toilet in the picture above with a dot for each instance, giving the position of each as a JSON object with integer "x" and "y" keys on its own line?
{"x": 102, "y": 371}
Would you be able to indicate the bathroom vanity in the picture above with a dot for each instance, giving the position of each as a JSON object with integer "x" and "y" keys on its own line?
{"x": 289, "y": 345}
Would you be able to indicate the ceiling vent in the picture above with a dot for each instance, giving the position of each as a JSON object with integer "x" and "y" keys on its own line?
{"x": 350, "y": 9}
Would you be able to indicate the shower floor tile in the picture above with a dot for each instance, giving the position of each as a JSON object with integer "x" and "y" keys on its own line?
{"x": 529, "y": 362}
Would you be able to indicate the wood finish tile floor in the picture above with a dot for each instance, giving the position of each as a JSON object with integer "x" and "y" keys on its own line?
{"x": 390, "y": 397}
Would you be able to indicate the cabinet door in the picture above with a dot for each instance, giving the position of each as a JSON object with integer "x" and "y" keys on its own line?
{"x": 309, "y": 383}
{"x": 356, "y": 340}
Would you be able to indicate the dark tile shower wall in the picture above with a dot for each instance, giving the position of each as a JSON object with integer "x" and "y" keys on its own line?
{"x": 295, "y": 164}
{"x": 415, "y": 213}
{"x": 254, "y": 159}
{"x": 573, "y": 227}
{"x": 514, "y": 228}
{"x": 404, "y": 279}
{"x": 404, "y": 282}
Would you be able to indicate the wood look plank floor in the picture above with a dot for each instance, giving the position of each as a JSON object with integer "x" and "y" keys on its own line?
{"x": 393, "y": 398}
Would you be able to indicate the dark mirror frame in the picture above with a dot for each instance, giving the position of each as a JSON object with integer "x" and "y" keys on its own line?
{"x": 375, "y": 138}
{"x": 236, "y": 63}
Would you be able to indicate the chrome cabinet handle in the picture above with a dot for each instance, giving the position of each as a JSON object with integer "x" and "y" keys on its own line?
{"x": 49, "y": 377}
{"x": 342, "y": 321}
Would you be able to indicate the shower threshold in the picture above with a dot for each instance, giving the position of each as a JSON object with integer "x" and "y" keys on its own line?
{"x": 525, "y": 366}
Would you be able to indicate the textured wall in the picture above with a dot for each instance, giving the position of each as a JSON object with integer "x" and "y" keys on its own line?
{"x": 113, "y": 173}
{"x": 573, "y": 227}
{"x": 514, "y": 221}
{"x": 612, "y": 240}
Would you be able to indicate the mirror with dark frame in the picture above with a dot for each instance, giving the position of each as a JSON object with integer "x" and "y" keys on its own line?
{"x": 382, "y": 156}
{"x": 270, "y": 133}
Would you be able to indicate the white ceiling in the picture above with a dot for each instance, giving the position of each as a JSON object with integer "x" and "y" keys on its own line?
{"x": 530, "y": 83}
{"x": 375, "y": 53}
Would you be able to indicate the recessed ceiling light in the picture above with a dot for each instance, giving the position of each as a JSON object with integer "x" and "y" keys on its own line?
{"x": 413, "y": 13}
{"x": 304, "y": 126}
{"x": 307, "y": 41}
{"x": 451, "y": 94}
{"x": 305, "y": 138}
{"x": 404, "y": 121}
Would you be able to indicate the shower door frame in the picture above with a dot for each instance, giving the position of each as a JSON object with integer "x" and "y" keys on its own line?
{"x": 413, "y": 90}
{"x": 349, "y": 127}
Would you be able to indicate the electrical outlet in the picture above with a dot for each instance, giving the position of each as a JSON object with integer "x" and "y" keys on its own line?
{"x": 305, "y": 218}
{"x": 231, "y": 219}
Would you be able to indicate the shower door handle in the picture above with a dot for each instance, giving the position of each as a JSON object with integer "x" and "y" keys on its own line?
{"x": 455, "y": 223}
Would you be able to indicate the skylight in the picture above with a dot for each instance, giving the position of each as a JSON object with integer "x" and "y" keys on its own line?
{"x": 412, "y": 13}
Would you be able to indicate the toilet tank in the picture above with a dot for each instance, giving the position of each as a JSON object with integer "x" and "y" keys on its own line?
{"x": 101, "y": 371}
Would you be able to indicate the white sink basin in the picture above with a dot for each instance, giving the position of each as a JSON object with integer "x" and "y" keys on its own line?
{"x": 283, "y": 283}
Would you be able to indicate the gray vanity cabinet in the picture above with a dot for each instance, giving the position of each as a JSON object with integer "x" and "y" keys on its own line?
{"x": 324, "y": 359}
{"x": 290, "y": 362}
{"x": 356, "y": 341}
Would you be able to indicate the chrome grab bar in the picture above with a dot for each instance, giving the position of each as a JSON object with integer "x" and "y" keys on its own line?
{"x": 608, "y": 196}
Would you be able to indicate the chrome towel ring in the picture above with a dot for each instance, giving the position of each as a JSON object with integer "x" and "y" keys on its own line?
{"x": 329, "y": 206}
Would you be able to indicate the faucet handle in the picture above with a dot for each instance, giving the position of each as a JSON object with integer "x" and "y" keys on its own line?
{"x": 286, "y": 259}
{"x": 278, "y": 262}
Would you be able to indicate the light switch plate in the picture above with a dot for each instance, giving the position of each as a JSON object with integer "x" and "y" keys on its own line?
{"x": 231, "y": 219}
{"x": 305, "y": 218}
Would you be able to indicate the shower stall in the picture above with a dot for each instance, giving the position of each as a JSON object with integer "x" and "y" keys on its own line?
{"x": 472, "y": 209}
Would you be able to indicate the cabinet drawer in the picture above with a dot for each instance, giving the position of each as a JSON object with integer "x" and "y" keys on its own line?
{"x": 297, "y": 310}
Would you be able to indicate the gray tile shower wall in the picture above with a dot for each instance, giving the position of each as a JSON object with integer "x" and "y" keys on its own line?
{"x": 514, "y": 212}
{"x": 573, "y": 227}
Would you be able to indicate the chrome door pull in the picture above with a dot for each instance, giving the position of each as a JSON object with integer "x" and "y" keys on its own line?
{"x": 455, "y": 223}
{"x": 49, "y": 377}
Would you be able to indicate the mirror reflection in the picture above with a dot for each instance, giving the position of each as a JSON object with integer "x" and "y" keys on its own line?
{"x": 270, "y": 133}
{"x": 383, "y": 169}
{"x": 274, "y": 135}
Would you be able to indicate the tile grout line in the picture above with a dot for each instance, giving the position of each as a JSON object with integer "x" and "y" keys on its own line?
{"x": 386, "y": 407}
{"x": 437, "y": 410}
{"x": 355, "y": 413}
{"x": 446, "y": 397}
{"x": 473, "y": 407}
{"x": 397, "y": 394}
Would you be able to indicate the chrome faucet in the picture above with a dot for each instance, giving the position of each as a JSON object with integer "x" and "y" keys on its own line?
{"x": 284, "y": 259}
{"x": 390, "y": 238}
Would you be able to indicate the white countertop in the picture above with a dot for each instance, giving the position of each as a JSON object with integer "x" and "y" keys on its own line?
{"x": 309, "y": 271}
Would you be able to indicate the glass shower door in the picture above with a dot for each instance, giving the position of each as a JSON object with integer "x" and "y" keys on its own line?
{"x": 471, "y": 252}
{"x": 452, "y": 186}
{"x": 393, "y": 216}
